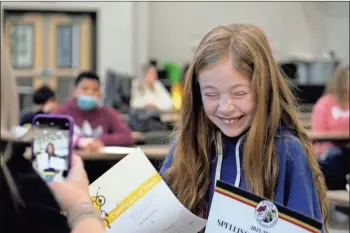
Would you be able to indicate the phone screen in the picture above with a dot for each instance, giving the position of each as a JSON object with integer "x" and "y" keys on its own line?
{"x": 52, "y": 148}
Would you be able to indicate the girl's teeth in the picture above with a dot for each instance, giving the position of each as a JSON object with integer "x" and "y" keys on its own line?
{"x": 230, "y": 121}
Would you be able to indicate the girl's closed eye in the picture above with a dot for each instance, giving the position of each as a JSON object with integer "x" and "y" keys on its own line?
{"x": 239, "y": 94}
{"x": 211, "y": 94}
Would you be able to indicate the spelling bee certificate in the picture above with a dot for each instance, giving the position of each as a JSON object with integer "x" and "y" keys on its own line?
{"x": 238, "y": 211}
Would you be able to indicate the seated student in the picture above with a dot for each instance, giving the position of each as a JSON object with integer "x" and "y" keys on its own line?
{"x": 149, "y": 92}
{"x": 239, "y": 124}
{"x": 95, "y": 125}
{"x": 331, "y": 115}
{"x": 45, "y": 100}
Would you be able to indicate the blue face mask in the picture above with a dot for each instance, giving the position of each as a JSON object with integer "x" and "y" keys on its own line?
{"x": 86, "y": 102}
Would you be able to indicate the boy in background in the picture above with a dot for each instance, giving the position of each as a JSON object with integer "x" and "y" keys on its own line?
{"x": 95, "y": 125}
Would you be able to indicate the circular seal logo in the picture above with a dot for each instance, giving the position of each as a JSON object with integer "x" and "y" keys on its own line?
{"x": 266, "y": 214}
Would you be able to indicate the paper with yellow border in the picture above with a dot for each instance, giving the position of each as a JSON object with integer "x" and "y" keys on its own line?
{"x": 133, "y": 198}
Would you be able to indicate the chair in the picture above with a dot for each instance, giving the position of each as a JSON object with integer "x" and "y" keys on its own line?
{"x": 117, "y": 92}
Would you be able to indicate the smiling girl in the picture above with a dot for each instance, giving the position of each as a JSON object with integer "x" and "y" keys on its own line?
{"x": 239, "y": 124}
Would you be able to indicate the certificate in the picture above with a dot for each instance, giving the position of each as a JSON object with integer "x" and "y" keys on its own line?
{"x": 236, "y": 210}
{"x": 133, "y": 198}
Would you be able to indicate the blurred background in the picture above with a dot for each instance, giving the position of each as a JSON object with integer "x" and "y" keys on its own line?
{"x": 52, "y": 41}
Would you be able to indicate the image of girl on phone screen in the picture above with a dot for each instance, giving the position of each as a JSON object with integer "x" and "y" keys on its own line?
{"x": 49, "y": 172}
{"x": 239, "y": 124}
{"x": 49, "y": 163}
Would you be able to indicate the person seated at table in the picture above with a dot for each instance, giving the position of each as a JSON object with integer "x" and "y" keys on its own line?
{"x": 45, "y": 100}
{"x": 149, "y": 92}
{"x": 331, "y": 115}
{"x": 95, "y": 125}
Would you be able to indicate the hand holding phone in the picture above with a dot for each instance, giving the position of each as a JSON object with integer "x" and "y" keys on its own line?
{"x": 75, "y": 189}
{"x": 52, "y": 148}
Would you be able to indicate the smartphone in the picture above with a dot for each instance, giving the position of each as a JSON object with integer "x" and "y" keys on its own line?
{"x": 52, "y": 147}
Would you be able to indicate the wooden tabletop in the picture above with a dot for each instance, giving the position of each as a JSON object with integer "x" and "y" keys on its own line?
{"x": 315, "y": 136}
{"x": 160, "y": 151}
{"x": 138, "y": 136}
{"x": 333, "y": 137}
{"x": 166, "y": 117}
{"x": 152, "y": 152}
{"x": 170, "y": 117}
{"x": 339, "y": 197}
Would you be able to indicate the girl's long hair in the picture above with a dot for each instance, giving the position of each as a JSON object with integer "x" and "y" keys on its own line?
{"x": 141, "y": 85}
{"x": 50, "y": 153}
{"x": 249, "y": 50}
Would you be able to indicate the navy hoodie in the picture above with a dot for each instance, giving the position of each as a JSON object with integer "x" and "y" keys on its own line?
{"x": 295, "y": 186}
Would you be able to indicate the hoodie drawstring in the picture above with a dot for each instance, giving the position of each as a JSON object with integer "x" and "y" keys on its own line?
{"x": 220, "y": 156}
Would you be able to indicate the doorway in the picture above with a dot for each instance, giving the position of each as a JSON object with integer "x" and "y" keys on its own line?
{"x": 49, "y": 48}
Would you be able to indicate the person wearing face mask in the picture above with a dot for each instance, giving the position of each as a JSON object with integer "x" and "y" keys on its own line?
{"x": 95, "y": 125}
{"x": 45, "y": 100}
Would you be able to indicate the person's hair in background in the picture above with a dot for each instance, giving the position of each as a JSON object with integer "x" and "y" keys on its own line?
{"x": 338, "y": 85}
{"x": 45, "y": 102}
{"x": 45, "y": 98}
{"x": 189, "y": 175}
{"x": 149, "y": 75}
{"x": 153, "y": 62}
{"x": 184, "y": 71}
{"x": 86, "y": 75}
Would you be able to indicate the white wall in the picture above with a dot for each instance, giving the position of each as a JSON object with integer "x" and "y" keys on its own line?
{"x": 142, "y": 43}
{"x": 337, "y": 37}
{"x": 292, "y": 27}
{"x": 129, "y": 33}
{"x": 115, "y": 28}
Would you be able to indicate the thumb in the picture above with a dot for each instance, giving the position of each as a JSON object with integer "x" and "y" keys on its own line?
{"x": 76, "y": 168}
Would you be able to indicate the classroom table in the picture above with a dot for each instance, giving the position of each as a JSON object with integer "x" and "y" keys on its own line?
{"x": 331, "y": 137}
{"x": 170, "y": 117}
{"x": 160, "y": 151}
{"x": 151, "y": 151}
{"x": 339, "y": 197}
{"x": 97, "y": 163}
{"x": 140, "y": 137}
{"x": 165, "y": 117}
